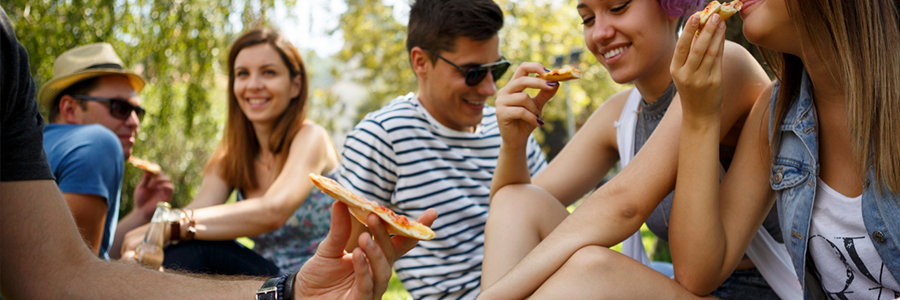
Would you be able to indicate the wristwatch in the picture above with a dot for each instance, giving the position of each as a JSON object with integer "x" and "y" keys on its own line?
{"x": 269, "y": 289}
{"x": 278, "y": 288}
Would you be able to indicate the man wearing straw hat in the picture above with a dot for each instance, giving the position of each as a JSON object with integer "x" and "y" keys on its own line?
{"x": 94, "y": 118}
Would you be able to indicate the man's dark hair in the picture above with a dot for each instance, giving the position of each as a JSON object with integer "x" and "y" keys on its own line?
{"x": 79, "y": 88}
{"x": 436, "y": 24}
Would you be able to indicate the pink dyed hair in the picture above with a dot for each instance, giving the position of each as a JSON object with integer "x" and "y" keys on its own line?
{"x": 681, "y": 8}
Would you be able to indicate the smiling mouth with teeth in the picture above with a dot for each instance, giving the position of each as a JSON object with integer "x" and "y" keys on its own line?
{"x": 257, "y": 101}
{"x": 474, "y": 102}
{"x": 614, "y": 52}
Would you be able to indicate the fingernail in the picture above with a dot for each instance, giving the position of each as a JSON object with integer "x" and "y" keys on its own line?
{"x": 552, "y": 83}
{"x": 695, "y": 21}
{"x": 722, "y": 25}
{"x": 545, "y": 69}
{"x": 369, "y": 243}
{"x": 540, "y": 121}
{"x": 715, "y": 18}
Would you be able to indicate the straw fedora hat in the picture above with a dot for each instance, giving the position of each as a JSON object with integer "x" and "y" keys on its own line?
{"x": 82, "y": 63}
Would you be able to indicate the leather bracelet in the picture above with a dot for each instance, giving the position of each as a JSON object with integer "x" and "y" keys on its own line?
{"x": 175, "y": 234}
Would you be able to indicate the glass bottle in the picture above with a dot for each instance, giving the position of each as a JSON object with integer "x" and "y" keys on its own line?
{"x": 150, "y": 252}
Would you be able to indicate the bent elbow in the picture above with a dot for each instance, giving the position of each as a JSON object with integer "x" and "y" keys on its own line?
{"x": 275, "y": 217}
{"x": 697, "y": 285}
{"x": 627, "y": 207}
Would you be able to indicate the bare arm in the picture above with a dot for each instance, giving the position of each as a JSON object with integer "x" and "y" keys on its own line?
{"x": 705, "y": 251}
{"x": 44, "y": 257}
{"x": 311, "y": 152}
{"x": 517, "y": 116}
{"x": 89, "y": 212}
{"x": 586, "y": 159}
{"x": 744, "y": 199}
{"x": 57, "y": 268}
{"x": 616, "y": 210}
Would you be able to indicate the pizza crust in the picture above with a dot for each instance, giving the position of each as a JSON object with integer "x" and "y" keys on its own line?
{"x": 566, "y": 73}
{"x": 146, "y": 165}
{"x": 361, "y": 207}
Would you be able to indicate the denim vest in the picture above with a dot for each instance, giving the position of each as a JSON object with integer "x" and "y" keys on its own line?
{"x": 793, "y": 178}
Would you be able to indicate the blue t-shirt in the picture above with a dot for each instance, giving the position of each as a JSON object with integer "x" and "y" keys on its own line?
{"x": 88, "y": 159}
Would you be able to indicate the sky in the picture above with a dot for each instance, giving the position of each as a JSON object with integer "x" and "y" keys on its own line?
{"x": 311, "y": 20}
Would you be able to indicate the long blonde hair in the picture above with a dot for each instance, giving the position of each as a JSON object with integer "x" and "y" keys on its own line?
{"x": 862, "y": 38}
{"x": 240, "y": 145}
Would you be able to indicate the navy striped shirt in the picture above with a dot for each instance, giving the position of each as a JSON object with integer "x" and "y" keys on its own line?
{"x": 403, "y": 158}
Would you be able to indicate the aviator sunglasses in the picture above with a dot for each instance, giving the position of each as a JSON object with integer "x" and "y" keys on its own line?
{"x": 118, "y": 108}
{"x": 476, "y": 74}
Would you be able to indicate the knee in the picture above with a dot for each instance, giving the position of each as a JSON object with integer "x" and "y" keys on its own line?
{"x": 522, "y": 201}
{"x": 520, "y": 195}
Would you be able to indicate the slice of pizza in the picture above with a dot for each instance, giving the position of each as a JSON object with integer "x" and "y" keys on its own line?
{"x": 146, "y": 165}
{"x": 361, "y": 207}
{"x": 563, "y": 74}
{"x": 725, "y": 11}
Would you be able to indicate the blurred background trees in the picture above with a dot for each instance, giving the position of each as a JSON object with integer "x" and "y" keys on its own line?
{"x": 180, "y": 48}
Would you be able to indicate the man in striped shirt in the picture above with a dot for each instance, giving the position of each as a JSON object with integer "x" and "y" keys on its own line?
{"x": 438, "y": 148}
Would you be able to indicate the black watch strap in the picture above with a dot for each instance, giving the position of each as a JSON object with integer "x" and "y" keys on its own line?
{"x": 269, "y": 289}
{"x": 289, "y": 287}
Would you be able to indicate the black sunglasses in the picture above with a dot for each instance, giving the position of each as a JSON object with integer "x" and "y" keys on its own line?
{"x": 118, "y": 108}
{"x": 476, "y": 74}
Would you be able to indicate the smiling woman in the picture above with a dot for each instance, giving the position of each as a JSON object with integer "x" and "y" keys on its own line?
{"x": 533, "y": 246}
{"x": 267, "y": 144}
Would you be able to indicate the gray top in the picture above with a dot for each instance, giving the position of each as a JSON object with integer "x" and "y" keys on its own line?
{"x": 648, "y": 119}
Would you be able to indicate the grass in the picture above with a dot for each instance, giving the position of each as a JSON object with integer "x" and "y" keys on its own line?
{"x": 395, "y": 290}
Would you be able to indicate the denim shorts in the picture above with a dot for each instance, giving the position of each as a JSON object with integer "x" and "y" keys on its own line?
{"x": 745, "y": 284}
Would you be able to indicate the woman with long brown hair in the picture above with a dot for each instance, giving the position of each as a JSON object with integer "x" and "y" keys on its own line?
{"x": 267, "y": 150}
{"x": 820, "y": 145}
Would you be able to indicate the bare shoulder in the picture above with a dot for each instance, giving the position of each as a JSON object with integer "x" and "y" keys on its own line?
{"x": 601, "y": 124}
{"x": 740, "y": 67}
{"x": 743, "y": 77}
{"x": 611, "y": 108}
{"x": 311, "y": 132}
{"x": 313, "y": 136}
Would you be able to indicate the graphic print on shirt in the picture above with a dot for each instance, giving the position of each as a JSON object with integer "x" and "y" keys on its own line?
{"x": 842, "y": 251}
{"x": 854, "y": 287}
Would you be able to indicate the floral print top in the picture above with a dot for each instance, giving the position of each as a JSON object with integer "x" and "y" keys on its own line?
{"x": 290, "y": 246}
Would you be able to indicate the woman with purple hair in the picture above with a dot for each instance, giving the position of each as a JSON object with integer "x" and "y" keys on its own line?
{"x": 533, "y": 246}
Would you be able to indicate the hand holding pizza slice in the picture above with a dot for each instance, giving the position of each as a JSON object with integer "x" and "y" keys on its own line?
{"x": 361, "y": 207}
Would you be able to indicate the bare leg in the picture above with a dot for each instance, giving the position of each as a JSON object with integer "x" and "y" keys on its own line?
{"x": 520, "y": 217}
{"x": 596, "y": 272}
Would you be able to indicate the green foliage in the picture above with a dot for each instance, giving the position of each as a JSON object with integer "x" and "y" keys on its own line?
{"x": 178, "y": 46}
{"x": 376, "y": 43}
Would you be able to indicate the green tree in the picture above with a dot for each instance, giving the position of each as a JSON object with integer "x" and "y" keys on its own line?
{"x": 179, "y": 47}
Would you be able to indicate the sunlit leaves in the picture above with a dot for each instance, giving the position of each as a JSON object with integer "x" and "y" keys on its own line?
{"x": 177, "y": 46}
